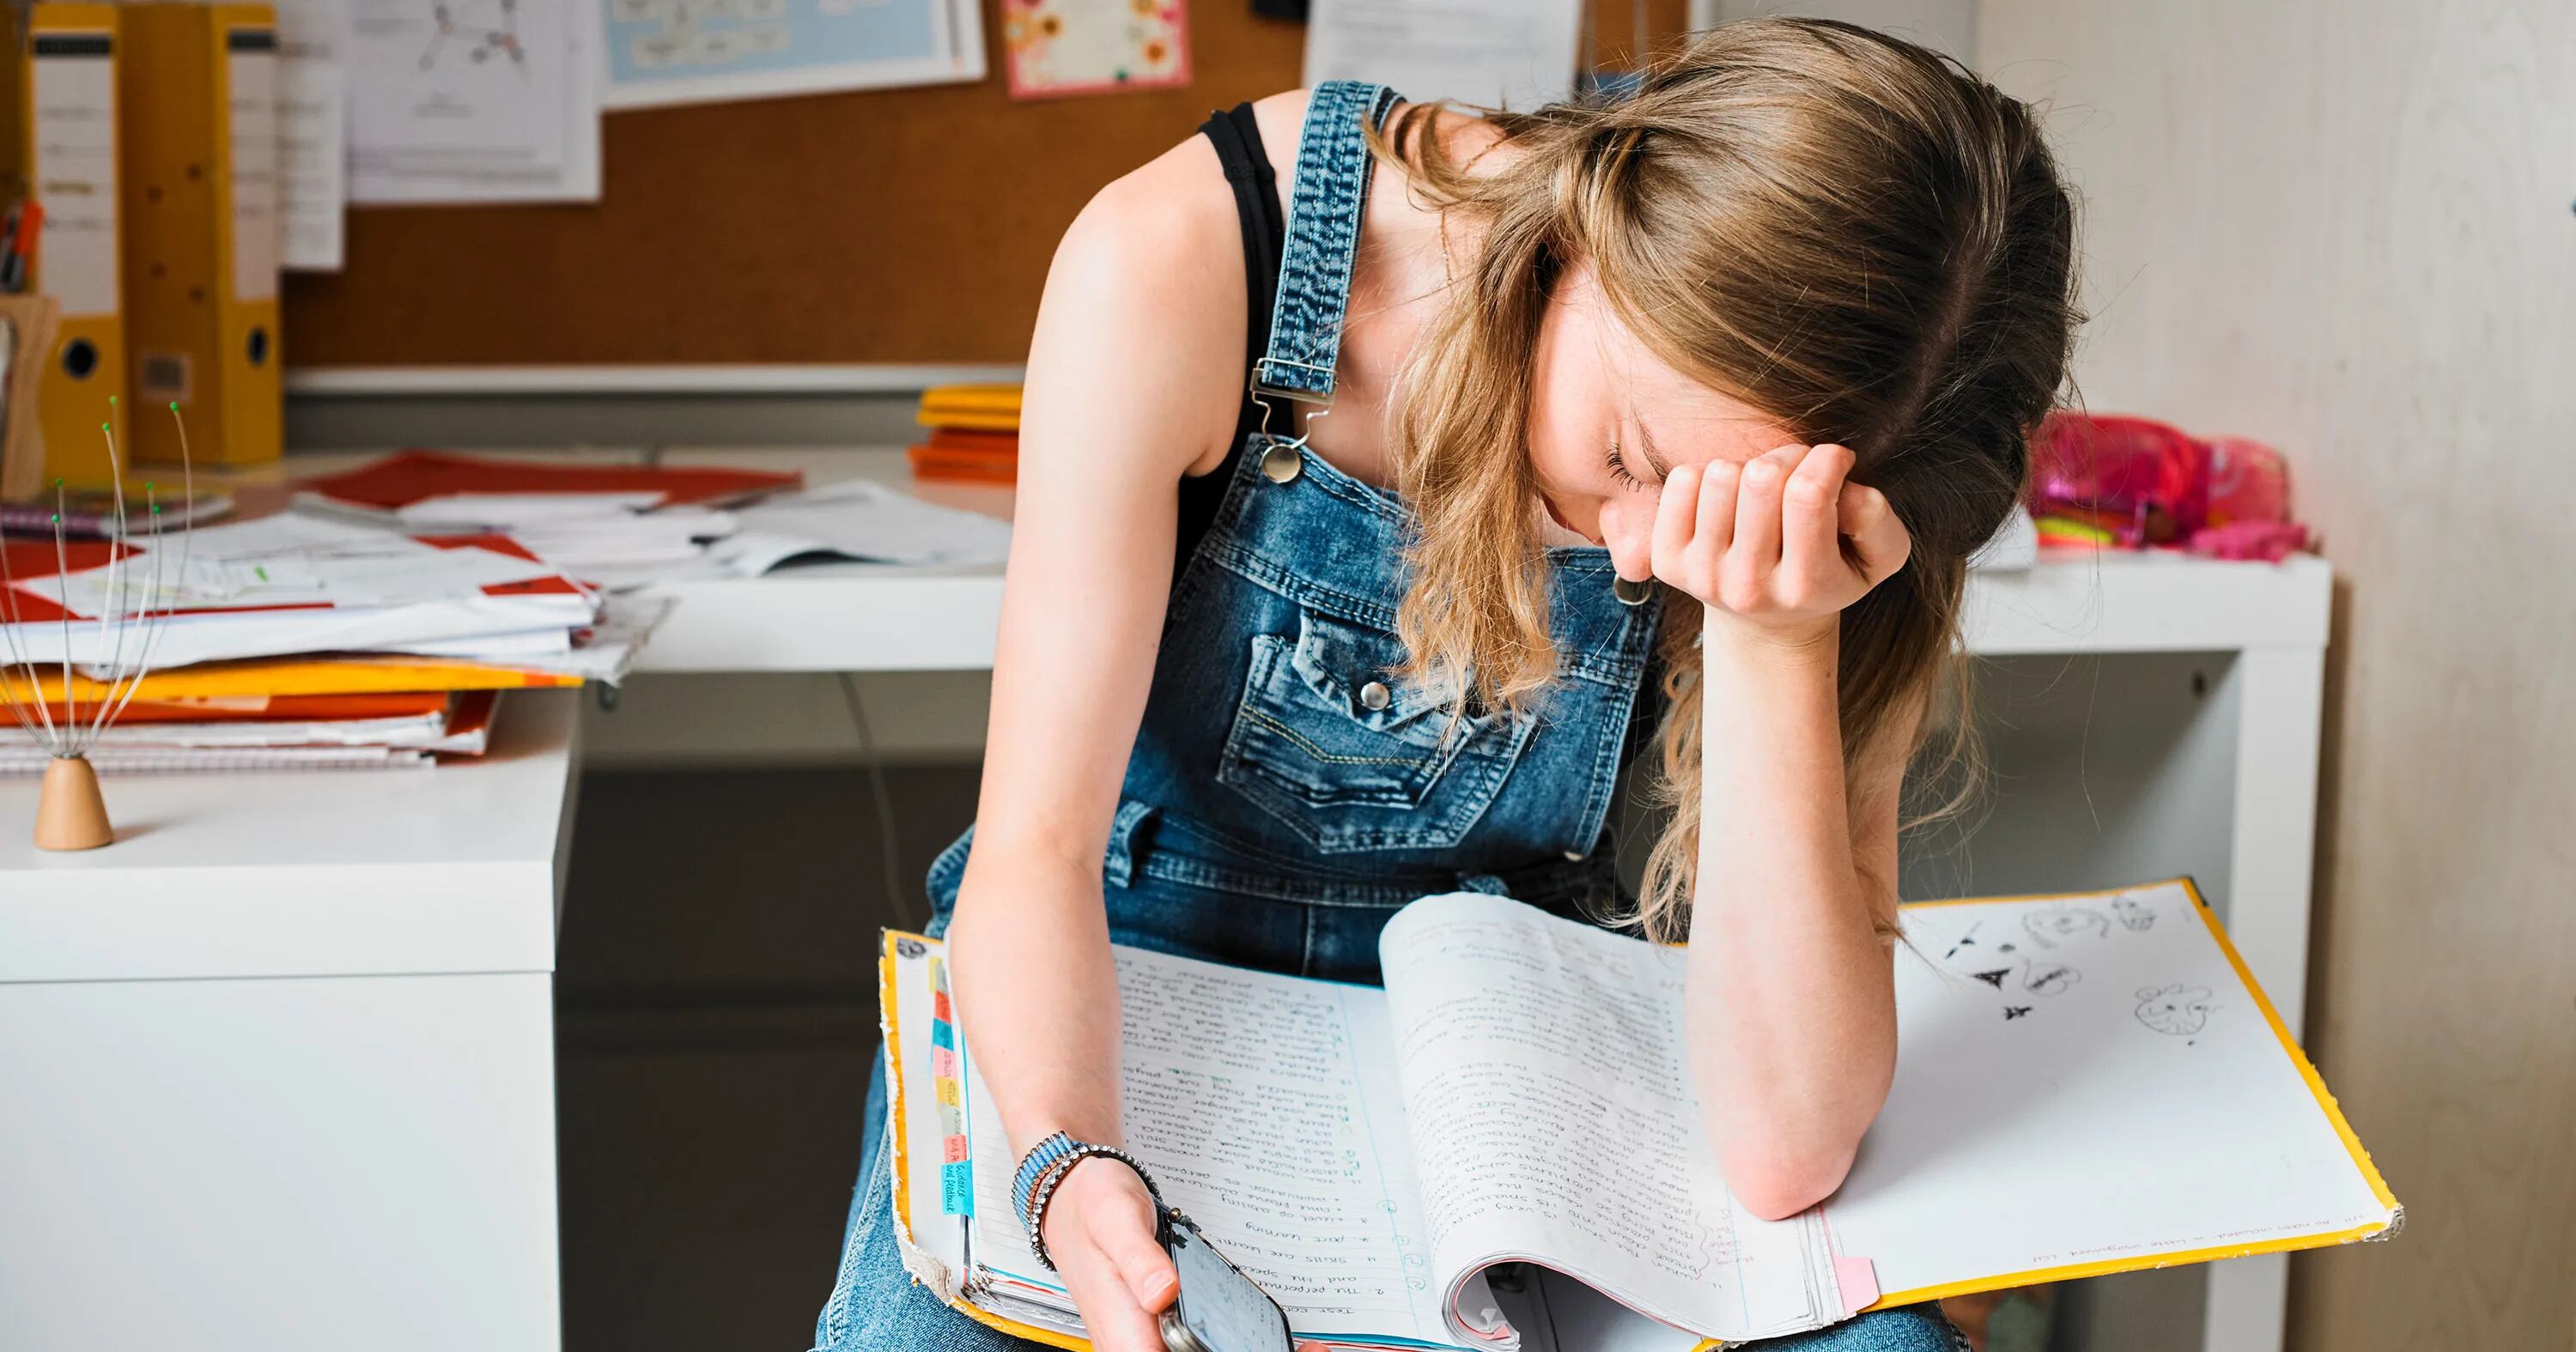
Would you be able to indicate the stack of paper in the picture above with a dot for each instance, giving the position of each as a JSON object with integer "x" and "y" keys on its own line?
{"x": 267, "y": 733}
{"x": 252, "y": 638}
{"x": 617, "y": 527}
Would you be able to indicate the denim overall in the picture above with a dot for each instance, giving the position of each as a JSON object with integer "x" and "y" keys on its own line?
{"x": 1286, "y": 792}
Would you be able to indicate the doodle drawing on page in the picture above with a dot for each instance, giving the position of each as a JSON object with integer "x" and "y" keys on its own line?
{"x": 2049, "y": 978}
{"x": 2047, "y": 927}
{"x": 2133, "y": 914}
{"x": 2177, "y": 1011}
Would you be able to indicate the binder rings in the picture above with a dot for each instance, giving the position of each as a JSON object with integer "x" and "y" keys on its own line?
{"x": 61, "y": 150}
{"x": 199, "y": 101}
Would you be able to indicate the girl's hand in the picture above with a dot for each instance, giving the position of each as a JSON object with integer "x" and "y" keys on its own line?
{"x": 1762, "y": 541}
{"x": 1100, "y": 1231}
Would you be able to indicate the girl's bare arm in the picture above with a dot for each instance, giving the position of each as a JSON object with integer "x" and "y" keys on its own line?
{"x": 1132, "y": 375}
{"x": 1791, "y": 999}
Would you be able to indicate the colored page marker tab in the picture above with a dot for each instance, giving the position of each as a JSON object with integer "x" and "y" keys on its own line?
{"x": 943, "y": 1063}
{"x": 952, "y": 1120}
{"x": 952, "y": 1150}
{"x": 939, "y": 1007}
{"x": 943, "y": 1035}
{"x": 948, "y": 1093}
{"x": 957, "y": 1189}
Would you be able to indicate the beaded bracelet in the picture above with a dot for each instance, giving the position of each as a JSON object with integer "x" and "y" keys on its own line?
{"x": 1046, "y": 1165}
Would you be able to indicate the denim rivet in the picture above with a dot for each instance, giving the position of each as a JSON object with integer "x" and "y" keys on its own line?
{"x": 1574, "y": 856}
{"x": 1374, "y": 695}
{"x": 1281, "y": 463}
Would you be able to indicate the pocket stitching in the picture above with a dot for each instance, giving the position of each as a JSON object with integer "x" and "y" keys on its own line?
{"x": 1248, "y": 711}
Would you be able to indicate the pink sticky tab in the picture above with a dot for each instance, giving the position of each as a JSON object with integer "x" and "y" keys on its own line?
{"x": 953, "y": 1150}
{"x": 943, "y": 1063}
{"x": 1858, "y": 1278}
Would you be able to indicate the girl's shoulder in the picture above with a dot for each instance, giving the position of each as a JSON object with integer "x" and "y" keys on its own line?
{"x": 1147, "y": 296}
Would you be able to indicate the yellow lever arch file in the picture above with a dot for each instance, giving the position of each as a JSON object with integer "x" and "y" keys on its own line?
{"x": 61, "y": 149}
{"x": 199, "y": 100}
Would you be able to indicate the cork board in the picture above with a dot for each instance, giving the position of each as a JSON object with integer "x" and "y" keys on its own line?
{"x": 895, "y": 226}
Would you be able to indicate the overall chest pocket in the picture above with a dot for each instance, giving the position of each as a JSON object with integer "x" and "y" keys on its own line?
{"x": 1327, "y": 740}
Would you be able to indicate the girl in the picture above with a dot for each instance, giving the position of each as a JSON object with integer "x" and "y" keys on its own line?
{"x": 1669, "y": 416}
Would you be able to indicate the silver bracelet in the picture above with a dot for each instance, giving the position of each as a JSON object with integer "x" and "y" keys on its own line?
{"x": 1057, "y": 1169}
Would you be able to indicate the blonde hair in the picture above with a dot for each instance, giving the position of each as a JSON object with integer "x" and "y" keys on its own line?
{"x": 1847, "y": 232}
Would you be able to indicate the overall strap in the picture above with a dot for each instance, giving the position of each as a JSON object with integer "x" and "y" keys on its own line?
{"x": 1327, "y": 198}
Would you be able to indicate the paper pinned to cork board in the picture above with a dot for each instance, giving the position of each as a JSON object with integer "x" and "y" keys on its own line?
{"x": 1059, "y": 47}
{"x": 662, "y": 52}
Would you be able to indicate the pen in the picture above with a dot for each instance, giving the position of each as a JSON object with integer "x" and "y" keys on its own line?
{"x": 26, "y": 220}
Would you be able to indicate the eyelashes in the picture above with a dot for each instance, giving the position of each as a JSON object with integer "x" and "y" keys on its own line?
{"x": 1619, "y": 470}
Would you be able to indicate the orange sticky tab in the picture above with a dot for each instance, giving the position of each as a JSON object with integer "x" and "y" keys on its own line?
{"x": 952, "y": 1150}
{"x": 939, "y": 1006}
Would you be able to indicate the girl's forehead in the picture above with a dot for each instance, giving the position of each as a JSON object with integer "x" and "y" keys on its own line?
{"x": 1673, "y": 416}
{"x": 1680, "y": 421}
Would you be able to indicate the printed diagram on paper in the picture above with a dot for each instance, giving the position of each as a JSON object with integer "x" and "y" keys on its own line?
{"x": 478, "y": 42}
{"x": 452, "y": 94}
{"x": 472, "y": 100}
{"x": 687, "y": 51}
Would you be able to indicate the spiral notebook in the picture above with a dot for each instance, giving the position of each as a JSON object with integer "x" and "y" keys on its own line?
{"x": 2085, "y": 1084}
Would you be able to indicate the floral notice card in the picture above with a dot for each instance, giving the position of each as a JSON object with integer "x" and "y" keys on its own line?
{"x": 1094, "y": 46}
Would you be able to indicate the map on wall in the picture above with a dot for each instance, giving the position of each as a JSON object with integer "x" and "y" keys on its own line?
{"x": 694, "y": 51}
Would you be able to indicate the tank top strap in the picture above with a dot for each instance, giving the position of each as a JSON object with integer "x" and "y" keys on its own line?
{"x": 1327, "y": 198}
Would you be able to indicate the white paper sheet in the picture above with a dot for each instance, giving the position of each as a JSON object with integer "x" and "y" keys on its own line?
{"x": 312, "y": 133}
{"x": 688, "y": 51}
{"x": 858, "y": 520}
{"x": 376, "y": 579}
{"x": 1265, "y": 1108}
{"x": 2139, "y": 1102}
{"x": 473, "y": 101}
{"x": 502, "y": 511}
{"x": 285, "y": 533}
{"x": 1515, "y": 53}
{"x": 1555, "y": 1120}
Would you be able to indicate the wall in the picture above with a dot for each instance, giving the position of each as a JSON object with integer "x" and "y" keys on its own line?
{"x": 2344, "y": 228}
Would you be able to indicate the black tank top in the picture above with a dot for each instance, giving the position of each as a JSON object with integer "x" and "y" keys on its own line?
{"x": 1237, "y": 138}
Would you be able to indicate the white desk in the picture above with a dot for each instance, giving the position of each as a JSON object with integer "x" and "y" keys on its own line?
{"x": 279, "y": 1064}
{"x": 325, "y": 996}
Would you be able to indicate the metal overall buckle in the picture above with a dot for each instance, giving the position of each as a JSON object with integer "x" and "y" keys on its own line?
{"x": 1284, "y": 459}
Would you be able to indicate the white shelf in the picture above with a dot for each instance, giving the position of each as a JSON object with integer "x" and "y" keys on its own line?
{"x": 876, "y": 618}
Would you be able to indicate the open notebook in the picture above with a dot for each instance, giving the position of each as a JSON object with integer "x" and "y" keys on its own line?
{"x": 2085, "y": 1084}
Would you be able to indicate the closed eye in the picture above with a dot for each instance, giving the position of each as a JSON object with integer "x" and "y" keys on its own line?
{"x": 1619, "y": 472}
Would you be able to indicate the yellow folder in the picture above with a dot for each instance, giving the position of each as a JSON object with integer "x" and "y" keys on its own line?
{"x": 61, "y": 151}
{"x": 198, "y": 100}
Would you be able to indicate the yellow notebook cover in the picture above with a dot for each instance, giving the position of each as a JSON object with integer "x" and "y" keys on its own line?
{"x": 356, "y": 674}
